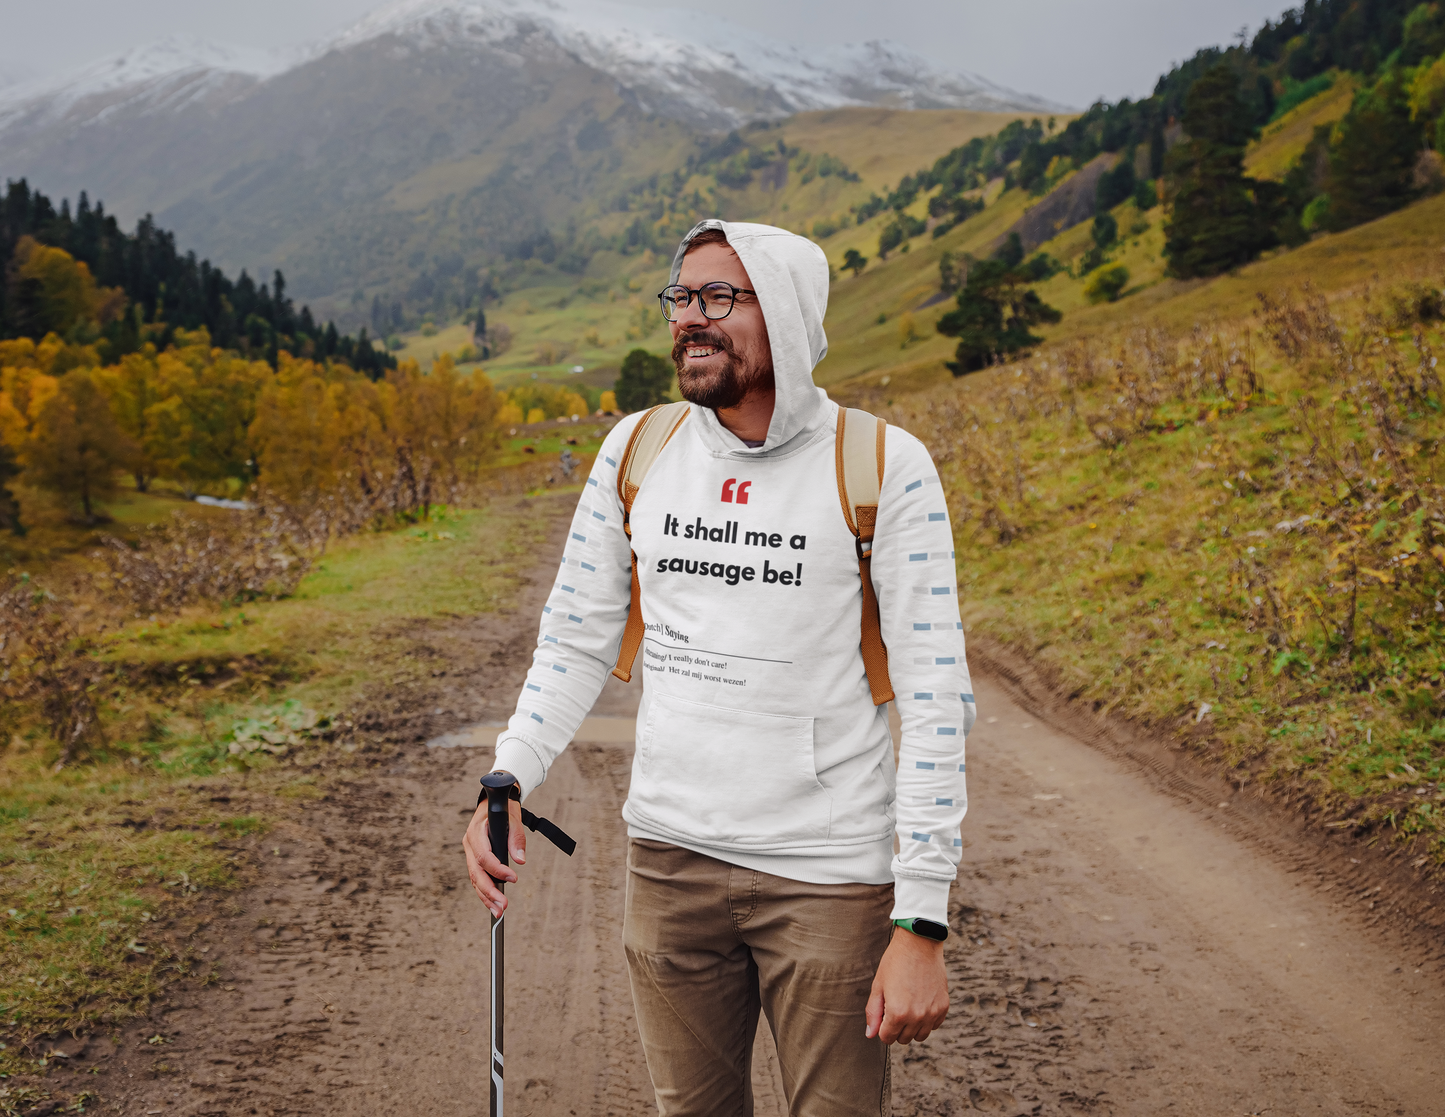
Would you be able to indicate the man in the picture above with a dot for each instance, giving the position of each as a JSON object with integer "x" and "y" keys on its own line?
{"x": 764, "y": 797}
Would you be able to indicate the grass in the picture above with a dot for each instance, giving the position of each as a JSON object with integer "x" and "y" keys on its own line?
{"x": 1283, "y": 141}
{"x": 109, "y": 865}
{"x": 1172, "y": 549}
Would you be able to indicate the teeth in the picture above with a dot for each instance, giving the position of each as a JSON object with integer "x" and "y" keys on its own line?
{"x": 703, "y": 351}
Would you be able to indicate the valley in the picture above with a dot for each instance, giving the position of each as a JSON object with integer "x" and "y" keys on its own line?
{"x": 272, "y": 574}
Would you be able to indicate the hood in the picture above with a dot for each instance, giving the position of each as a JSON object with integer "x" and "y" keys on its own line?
{"x": 790, "y": 275}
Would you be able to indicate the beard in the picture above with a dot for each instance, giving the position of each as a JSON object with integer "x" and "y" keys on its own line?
{"x": 721, "y": 388}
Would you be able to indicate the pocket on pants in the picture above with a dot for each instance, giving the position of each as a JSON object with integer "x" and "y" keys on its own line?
{"x": 726, "y": 777}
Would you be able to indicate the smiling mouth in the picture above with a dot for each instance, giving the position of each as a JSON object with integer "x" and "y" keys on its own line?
{"x": 697, "y": 352}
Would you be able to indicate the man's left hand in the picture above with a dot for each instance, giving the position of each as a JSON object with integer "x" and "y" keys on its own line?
{"x": 910, "y": 992}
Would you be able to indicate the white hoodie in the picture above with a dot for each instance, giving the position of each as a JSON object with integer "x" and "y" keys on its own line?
{"x": 758, "y": 742}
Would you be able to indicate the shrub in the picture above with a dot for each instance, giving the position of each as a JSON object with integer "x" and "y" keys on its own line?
{"x": 1106, "y": 284}
{"x": 44, "y": 661}
{"x": 186, "y": 560}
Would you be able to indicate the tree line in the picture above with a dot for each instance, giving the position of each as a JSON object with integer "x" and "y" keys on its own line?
{"x": 1192, "y": 135}
{"x": 215, "y": 421}
{"x": 1193, "y": 129}
{"x": 80, "y": 276}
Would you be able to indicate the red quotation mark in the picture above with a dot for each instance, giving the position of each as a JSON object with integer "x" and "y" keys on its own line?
{"x": 742, "y": 491}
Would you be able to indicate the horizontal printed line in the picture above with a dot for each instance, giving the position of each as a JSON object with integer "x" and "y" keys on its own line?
{"x": 705, "y": 651}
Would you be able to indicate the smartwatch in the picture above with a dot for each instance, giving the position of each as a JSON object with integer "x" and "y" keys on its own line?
{"x": 926, "y": 928}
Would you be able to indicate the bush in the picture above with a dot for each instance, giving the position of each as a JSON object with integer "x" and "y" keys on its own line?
{"x": 1107, "y": 284}
{"x": 45, "y": 661}
{"x": 1040, "y": 267}
{"x": 1316, "y": 214}
{"x": 184, "y": 561}
{"x": 1146, "y": 195}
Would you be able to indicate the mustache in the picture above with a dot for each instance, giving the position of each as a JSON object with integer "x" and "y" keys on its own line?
{"x": 701, "y": 337}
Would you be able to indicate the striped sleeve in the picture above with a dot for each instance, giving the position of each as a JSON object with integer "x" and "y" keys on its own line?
{"x": 581, "y": 625}
{"x": 916, "y": 579}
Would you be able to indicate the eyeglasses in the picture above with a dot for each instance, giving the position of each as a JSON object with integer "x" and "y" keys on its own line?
{"x": 714, "y": 299}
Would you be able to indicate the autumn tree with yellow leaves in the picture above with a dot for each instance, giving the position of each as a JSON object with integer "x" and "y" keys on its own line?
{"x": 214, "y": 422}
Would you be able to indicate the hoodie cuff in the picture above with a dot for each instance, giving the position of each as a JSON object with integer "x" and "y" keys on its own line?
{"x": 920, "y": 898}
{"x": 515, "y": 755}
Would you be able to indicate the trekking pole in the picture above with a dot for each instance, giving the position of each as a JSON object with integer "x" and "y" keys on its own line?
{"x": 500, "y": 788}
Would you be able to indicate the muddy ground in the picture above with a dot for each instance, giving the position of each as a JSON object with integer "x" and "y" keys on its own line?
{"x": 1131, "y": 937}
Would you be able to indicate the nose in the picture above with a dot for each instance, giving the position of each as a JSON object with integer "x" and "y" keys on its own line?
{"x": 690, "y": 317}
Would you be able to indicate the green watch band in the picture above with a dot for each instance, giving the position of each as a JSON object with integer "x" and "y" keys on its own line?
{"x": 926, "y": 928}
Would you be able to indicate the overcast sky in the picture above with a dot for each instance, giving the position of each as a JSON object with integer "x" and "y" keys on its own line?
{"x": 1070, "y": 51}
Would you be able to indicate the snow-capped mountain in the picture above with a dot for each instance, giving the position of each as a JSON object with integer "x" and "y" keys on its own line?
{"x": 688, "y": 65}
{"x": 677, "y": 63}
{"x": 171, "y": 73}
{"x": 432, "y": 134}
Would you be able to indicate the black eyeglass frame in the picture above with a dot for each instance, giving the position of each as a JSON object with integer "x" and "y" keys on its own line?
{"x": 701, "y": 302}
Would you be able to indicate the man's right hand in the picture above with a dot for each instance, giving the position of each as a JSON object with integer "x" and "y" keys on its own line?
{"x": 482, "y": 867}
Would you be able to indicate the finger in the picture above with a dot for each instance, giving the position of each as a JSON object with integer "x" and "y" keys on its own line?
{"x": 488, "y": 860}
{"x": 482, "y": 883}
{"x": 479, "y": 853}
{"x": 912, "y": 1030}
{"x": 489, "y": 893}
{"x": 874, "y": 1012}
{"x": 891, "y": 1028}
{"x": 516, "y": 835}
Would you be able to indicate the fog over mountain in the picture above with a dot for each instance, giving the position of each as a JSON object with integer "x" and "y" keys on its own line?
{"x": 503, "y": 113}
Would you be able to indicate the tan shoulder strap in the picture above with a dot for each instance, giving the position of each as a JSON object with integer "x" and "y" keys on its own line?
{"x": 861, "y": 441}
{"x": 648, "y": 438}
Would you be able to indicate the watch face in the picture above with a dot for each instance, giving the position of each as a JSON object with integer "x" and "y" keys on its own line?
{"x": 930, "y": 930}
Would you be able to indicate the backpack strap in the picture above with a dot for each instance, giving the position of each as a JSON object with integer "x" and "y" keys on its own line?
{"x": 860, "y": 448}
{"x": 648, "y": 438}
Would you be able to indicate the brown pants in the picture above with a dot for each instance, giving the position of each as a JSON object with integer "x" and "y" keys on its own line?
{"x": 710, "y": 944}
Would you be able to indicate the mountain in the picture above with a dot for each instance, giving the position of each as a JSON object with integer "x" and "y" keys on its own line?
{"x": 432, "y": 136}
{"x": 697, "y": 68}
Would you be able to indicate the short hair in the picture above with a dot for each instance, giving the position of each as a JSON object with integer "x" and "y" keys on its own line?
{"x": 708, "y": 236}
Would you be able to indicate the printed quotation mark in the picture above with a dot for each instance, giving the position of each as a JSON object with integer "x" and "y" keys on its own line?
{"x": 742, "y": 491}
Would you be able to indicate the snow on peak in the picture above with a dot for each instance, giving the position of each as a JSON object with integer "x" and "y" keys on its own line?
{"x": 683, "y": 63}
{"x": 160, "y": 62}
{"x": 676, "y": 62}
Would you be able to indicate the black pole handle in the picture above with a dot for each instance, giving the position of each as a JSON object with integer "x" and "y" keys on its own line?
{"x": 500, "y": 788}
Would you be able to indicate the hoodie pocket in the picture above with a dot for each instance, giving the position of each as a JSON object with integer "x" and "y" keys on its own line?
{"x": 726, "y": 777}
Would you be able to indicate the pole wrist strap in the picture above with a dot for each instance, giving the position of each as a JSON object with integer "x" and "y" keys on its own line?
{"x": 544, "y": 826}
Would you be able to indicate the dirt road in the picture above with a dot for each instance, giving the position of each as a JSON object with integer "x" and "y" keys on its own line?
{"x": 1122, "y": 946}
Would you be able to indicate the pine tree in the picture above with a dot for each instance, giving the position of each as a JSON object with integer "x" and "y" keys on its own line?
{"x": 1216, "y": 221}
{"x": 996, "y": 309}
{"x": 1372, "y": 162}
{"x": 644, "y": 381}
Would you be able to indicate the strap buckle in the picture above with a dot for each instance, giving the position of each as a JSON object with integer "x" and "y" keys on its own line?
{"x": 864, "y": 547}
